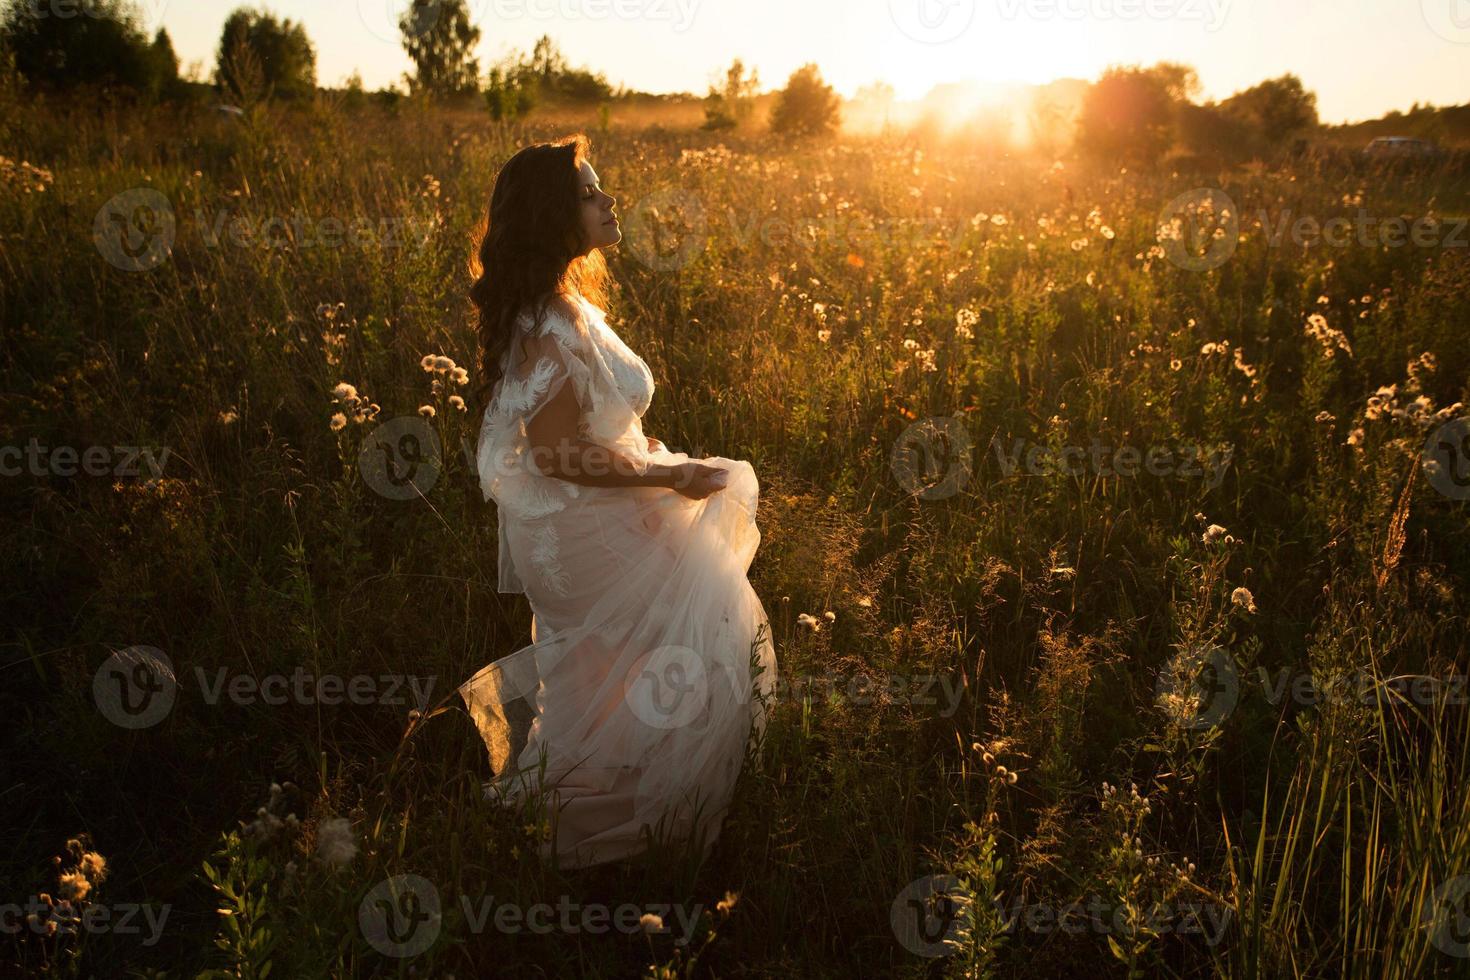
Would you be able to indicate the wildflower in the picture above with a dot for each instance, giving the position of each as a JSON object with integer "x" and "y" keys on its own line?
{"x": 344, "y": 392}
{"x": 75, "y": 886}
{"x": 728, "y": 902}
{"x": 427, "y": 411}
{"x": 1325, "y": 418}
{"x": 910, "y": 344}
{"x": 1240, "y": 365}
{"x": 649, "y": 922}
{"x": 1242, "y": 597}
{"x": 809, "y": 621}
{"x": 1355, "y": 438}
{"x": 865, "y": 602}
{"x": 335, "y": 846}
{"x": 824, "y": 335}
{"x": 338, "y": 422}
{"x": 830, "y": 616}
{"x": 1001, "y": 771}
{"x": 93, "y": 865}
{"x": 443, "y": 364}
{"x": 427, "y": 363}
{"x": 1213, "y": 533}
{"x": 1332, "y": 340}
{"x": 1012, "y": 778}
{"x": 460, "y": 376}
{"x": 229, "y": 417}
{"x": 1175, "y": 364}
{"x": 455, "y": 401}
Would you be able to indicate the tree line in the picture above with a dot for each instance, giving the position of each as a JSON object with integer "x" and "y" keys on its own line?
{"x": 1134, "y": 115}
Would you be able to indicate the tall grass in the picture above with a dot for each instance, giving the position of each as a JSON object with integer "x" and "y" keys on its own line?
{"x": 1046, "y": 765}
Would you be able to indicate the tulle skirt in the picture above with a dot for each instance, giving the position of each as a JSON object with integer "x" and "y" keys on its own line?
{"x": 629, "y": 714}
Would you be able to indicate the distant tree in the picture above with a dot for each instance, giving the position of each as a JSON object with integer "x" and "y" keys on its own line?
{"x": 259, "y": 55}
{"x": 1128, "y": 114}
{"x": 508, "y": 95}
{"x": 1276, "y": 111}
{"x": 521, "y": 81}
{"x": 163, "y": 65}
{"x": 547, "y": 61}
{"x": 103, "y": 45}
{"x": 731, "y": 101}
{"x": 807, "y": 106}
{"x": 1180, "y": 81}
{"x": 440, "y": 39}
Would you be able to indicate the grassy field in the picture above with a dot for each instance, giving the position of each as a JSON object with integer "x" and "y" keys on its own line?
{"x": 1026, "y": 449}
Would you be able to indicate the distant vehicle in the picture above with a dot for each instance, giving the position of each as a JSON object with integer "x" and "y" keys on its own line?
{"x": 1399, "y": 147}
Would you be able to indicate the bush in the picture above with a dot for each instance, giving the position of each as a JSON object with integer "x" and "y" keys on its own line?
{"x": 807, "y": 106}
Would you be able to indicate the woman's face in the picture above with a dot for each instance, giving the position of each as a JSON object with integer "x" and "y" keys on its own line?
{"x": 599, "y": 221}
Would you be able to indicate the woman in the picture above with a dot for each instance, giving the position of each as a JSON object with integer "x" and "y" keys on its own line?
{"x": 629, "y": 713}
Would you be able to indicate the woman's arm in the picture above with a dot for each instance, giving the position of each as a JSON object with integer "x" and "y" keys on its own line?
{"x": 558, "y": 450}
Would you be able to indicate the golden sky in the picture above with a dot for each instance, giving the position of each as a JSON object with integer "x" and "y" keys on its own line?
{"x": 1362, "y": 57}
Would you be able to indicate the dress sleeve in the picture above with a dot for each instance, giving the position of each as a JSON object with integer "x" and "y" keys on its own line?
{"x": 560, "y": 354}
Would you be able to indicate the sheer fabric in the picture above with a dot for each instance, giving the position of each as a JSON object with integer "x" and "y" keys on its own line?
{"x": 630, "y": 711}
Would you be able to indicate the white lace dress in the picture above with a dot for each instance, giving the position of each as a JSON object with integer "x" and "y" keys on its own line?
{"x": 630, "y": 712}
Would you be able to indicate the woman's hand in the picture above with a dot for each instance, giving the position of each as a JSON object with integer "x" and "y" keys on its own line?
{"x": 697, "y": 481}
{"x": 654, "y": 446}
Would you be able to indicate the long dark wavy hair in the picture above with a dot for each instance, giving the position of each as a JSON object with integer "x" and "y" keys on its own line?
{"x": 530, "y": 249}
